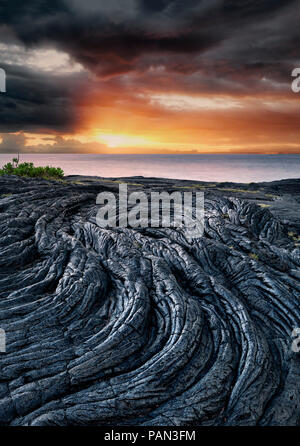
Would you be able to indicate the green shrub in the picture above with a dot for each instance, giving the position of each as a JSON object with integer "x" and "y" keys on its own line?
{"x": 29, "y": 170}
{"x": 254, "y": 256}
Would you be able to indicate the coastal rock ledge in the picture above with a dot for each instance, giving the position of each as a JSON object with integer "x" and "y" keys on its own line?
{"x": 141, "y": 326}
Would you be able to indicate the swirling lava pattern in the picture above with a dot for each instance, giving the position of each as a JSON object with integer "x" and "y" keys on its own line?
{"x": 141, "y": 327}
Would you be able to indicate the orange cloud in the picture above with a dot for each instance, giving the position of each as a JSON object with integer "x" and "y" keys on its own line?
{"x": 148, "y": 121}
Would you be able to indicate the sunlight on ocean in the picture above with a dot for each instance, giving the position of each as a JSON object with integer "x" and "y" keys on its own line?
{"x": 232, "y": 168}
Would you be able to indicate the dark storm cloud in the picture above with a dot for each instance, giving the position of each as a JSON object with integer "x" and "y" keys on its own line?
{"x": 17, "y": 143}
{"x": 203, "y": 45}
{"x": 12, "y": 143}
{"x": 36, "y": 101}
{"x": 155, "y": 5}
{"x": 105, "y": 40}
{"x": 110, "y": 39}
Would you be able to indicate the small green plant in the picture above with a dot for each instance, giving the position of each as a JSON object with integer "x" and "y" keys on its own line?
{"x": 197, "y": 186}
{"x": 264, "y": 205}
{"x": 119, "y": 182}
{"x": 16, "y": 161}
{"x": 294, "y": 236}
{"x": 137, "y": 245}
{"x": 254, "y": 256}
{"x": 79, "y": 183}
{"x": 272, "y": 196}
{"x": 245, "y": 191}
{"x": 30, "y": 171}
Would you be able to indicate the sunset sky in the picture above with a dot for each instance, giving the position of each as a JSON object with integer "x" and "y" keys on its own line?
{"x": 150, "y": 76}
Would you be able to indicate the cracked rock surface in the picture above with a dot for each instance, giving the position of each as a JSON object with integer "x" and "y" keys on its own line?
{"x": 141, "y": 326}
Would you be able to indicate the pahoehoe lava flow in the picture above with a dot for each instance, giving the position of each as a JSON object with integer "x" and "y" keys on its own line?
{"x": 140, "y": 326}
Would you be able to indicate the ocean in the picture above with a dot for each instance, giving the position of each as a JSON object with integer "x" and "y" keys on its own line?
{"x": 232, "y": 168}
